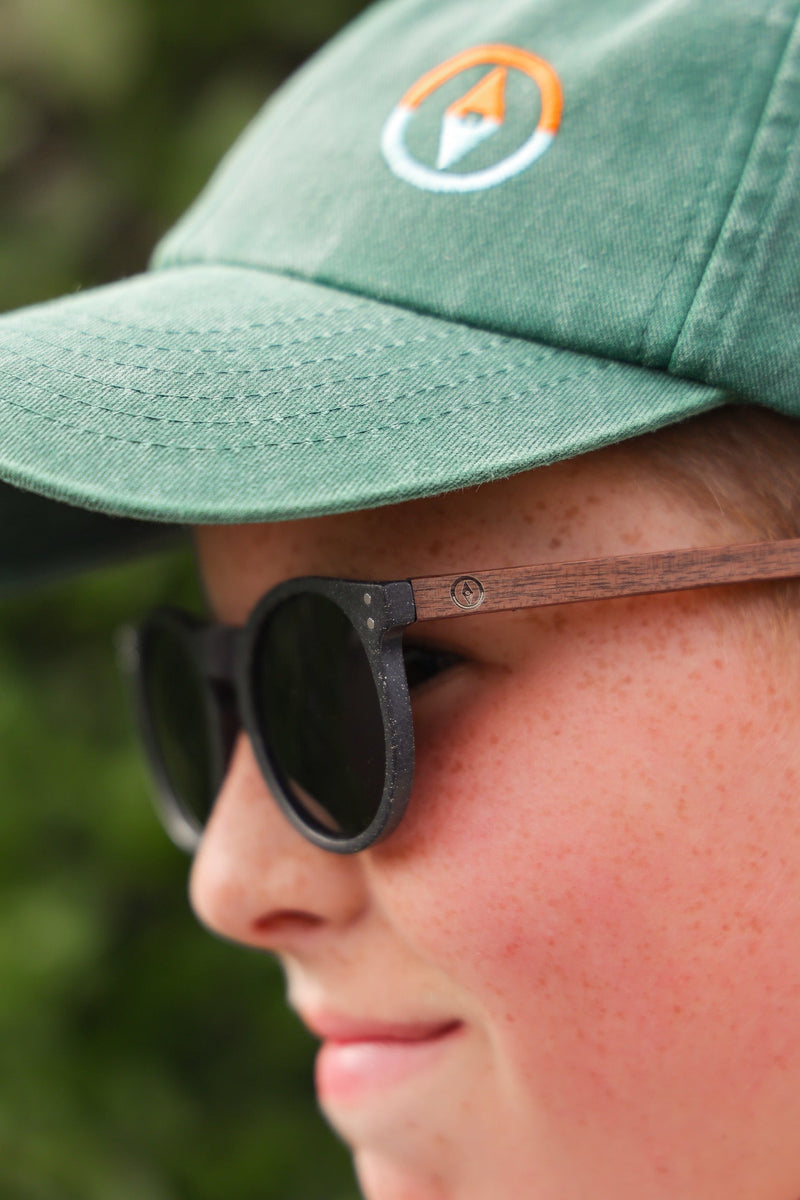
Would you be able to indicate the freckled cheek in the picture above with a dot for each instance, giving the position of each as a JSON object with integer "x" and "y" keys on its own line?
{"x": 595, "y": 874}
{"x": 474, "y": 871}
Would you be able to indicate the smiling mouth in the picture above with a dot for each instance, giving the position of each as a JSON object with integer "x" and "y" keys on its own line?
{"x": 357, "y": 1059}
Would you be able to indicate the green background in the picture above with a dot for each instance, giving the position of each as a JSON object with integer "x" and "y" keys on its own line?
{"x": 139, "y": 1058}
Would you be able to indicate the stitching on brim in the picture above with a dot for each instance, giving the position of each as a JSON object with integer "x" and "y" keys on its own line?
{"x": 322, "y": 314}
{"x": 468, "y": 379}
{"x": 397, "y": 344}
{"x": 520, "y": 395}
{"x": 275, "y": 418}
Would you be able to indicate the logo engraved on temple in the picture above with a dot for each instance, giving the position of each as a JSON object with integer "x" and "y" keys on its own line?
{"x": 467, "y": 592}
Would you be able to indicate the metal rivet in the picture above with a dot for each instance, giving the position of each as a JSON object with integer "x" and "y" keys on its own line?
{"x": 370, "y": 623}
{"x": 367, "y": 598}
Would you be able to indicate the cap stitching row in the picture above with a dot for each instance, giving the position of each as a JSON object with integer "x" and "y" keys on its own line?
{"x": 408, "y": 368}
{"x": 395, "y": 344}
{"x": 250, "y": 325}
{"x": 275, "y": 419}
{"x": 578, "y": 446}
{"x": 367, "y": 327}
{"x": 395, "y": 306}
{"x": 337, "y": 437}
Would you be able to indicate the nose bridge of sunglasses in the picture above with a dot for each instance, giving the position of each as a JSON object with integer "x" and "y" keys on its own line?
{"x": 217, "y": 650}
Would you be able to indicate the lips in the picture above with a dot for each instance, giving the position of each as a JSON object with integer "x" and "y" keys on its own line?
{"x": 360, "y": 1057}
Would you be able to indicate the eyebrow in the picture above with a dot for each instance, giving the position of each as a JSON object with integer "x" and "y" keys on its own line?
{"x": 506, "y": 588}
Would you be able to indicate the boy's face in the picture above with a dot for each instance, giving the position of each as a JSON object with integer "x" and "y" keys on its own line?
{"x": 574, "y": 969}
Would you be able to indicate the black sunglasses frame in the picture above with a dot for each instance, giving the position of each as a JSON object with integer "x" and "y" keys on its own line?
{"x": 224, "y": 658}
{"x": 379, "y": 613}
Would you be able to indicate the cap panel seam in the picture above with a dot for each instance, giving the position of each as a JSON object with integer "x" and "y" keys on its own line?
{"x": 739, "y": 245}
{"x": 739, "y": 101}
{"x": 767, "y": 197}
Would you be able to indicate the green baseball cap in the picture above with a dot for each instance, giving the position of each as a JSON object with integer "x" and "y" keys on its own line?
{"x": 466, "y": 239}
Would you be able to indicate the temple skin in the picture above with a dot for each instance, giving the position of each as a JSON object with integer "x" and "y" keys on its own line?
{"x": 595, "y": 891}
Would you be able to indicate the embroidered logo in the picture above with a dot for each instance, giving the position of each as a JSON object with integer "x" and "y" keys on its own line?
{"x": 473, "y": 119}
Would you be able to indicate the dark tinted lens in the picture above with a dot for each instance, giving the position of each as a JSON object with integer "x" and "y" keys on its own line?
{"x": 319, "y": 714}
{"x": 179, "y": 718}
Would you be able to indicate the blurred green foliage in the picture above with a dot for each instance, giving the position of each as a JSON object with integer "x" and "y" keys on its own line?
{"x": 139, "y": 1058}
{"x": 113, "y": 113}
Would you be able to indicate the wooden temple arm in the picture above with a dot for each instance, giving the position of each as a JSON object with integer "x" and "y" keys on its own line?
{"x": 503, "y": 589}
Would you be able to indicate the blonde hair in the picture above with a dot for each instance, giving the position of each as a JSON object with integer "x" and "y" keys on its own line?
{"x": 742, "y": 464}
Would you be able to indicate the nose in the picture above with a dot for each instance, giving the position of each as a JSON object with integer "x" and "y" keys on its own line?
{"x": 255, "y": 878}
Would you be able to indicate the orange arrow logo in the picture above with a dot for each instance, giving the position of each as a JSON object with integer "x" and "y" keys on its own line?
{"x": 487, "y": 99}
{"x": 473, "y": 119}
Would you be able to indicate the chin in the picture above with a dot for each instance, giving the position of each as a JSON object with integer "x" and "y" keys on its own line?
{"x": 381, "y": 1178}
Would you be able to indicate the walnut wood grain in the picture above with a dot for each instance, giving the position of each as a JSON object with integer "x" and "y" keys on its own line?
{"x": 541, "y": 584}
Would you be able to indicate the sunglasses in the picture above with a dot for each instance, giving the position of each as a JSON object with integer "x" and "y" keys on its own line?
{"x": 318, "y": 678}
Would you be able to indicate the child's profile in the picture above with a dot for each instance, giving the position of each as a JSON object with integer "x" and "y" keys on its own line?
{"x": 484, "y": 290}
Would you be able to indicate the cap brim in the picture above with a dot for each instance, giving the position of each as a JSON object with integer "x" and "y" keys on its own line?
{"x": 209, "y": 394}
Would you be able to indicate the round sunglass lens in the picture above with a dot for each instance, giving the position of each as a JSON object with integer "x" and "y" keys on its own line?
{"x": 178, "y": 712}
{"x": 319, "y": 714}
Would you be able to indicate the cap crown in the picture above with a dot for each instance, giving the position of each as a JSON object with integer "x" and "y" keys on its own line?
{"x": 659, "y": 227}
